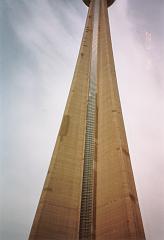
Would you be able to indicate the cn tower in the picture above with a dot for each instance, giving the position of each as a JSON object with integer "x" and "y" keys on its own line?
{"x": 89, "y": 192}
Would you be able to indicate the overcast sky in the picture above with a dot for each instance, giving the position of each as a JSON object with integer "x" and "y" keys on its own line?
{"x": 39, "y": 44}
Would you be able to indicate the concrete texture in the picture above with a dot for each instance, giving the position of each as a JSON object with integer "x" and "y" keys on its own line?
{"x": 116, "y": 213}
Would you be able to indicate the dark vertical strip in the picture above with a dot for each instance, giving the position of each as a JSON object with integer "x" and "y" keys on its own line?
{"x": 88, "y": 191}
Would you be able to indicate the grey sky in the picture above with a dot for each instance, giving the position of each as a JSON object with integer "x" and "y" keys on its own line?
{"x": 39, "y": 43}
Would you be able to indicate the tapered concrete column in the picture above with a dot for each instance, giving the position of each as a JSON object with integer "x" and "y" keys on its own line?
{"x": 117, "y": 210}
{"x": 89, "y": 192}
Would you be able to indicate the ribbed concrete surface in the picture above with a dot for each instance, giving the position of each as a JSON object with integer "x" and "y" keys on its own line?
{"x": 58, "y": 213}
{"x": 116, "y": 213}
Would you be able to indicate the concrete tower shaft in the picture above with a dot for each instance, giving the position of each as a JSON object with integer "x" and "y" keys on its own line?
{"x": 89, "y": 192}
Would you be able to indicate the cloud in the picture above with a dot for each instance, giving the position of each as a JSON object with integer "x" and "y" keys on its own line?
{"x": 36, "y": 76}
{"x": 148, "y": 18}
{"x": 139, "y": 64}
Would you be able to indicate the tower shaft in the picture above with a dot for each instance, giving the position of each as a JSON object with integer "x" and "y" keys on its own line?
{"x": 117, "y": 210}
{"x": 89, "y": 192}
{"x": 87, "y": 217}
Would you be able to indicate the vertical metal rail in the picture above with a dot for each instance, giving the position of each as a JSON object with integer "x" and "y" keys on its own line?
{"x": 87, "y": 198}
